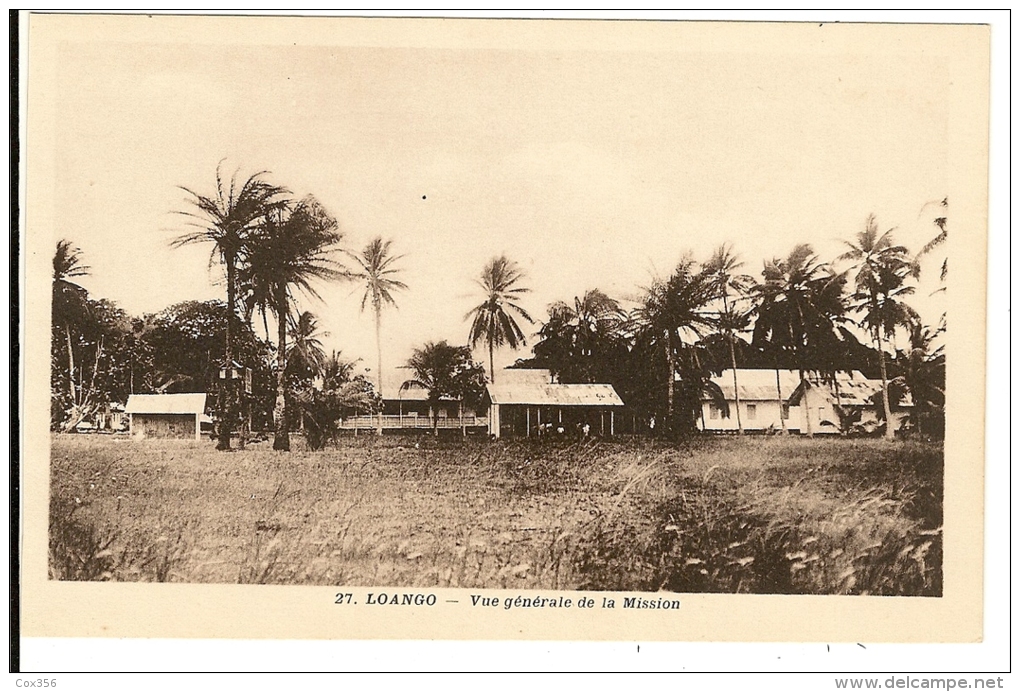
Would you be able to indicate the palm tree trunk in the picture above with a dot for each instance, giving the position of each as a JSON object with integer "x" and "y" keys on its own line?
{"x": 492, "y": 368}
{"x": 808, "y": 430}
{"x": 838, "y": 408}
{"x": 733, "y": 364}
{"x": 70, "y": 366}
{"x": 227, "y": 386}
{"x": 890, "y": 432}
{"x": 378, "y": 353}
{"x": 779, "y": 398}
{"x": 281, "y": 436}
{"x": 736, "y": 390}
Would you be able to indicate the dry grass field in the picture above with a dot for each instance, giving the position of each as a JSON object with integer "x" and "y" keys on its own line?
{"x": 750, "y": 515}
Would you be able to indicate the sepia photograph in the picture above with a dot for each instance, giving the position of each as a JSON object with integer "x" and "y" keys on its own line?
{"x": 450, "y": 314}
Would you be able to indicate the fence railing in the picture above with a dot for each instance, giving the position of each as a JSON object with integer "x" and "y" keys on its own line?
{"x": 413, "y": 422}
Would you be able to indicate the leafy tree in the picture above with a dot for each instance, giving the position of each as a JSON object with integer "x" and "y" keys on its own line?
{"x": 226, "y": 219}
{"x": 581, "y": 343}
{"x": 880, "y": 270}
{"x": 293, "y": 247}
{"x": 89, "y": 362}
{"x": 186, "y": 343}
{"x": 799, "y": 305}
{"x": 100, "y": 362}
{"x": 493, "y": 320}
{"x": 446, "y": 372}
{"x": 377, "y": 275}
{"x": 722, "y": 269}
{"x": 671, "y": 318}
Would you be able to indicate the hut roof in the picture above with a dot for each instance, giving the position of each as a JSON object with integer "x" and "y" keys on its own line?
{"x": 544, "y": 394}
{"x": 166, "y": 403}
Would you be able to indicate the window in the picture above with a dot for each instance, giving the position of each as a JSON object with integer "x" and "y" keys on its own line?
{"x": 786, "y": 412}
{"x": 752, "y": 411}
{"x": 713, "y": 411}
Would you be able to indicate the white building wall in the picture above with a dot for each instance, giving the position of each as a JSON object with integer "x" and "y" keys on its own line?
{"x": 754, "y": 416}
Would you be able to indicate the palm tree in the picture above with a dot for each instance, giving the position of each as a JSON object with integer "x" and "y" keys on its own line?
{"x": 940, "y": 222}
{"x": 722, "y": 269}
{"x": 799, "y": 303}
{"x": 226, "y": 219}
{"x": 672, "y": 317}
{"x": 376, "y": 274}
{"x": 923, "y": 374}
{"x": 335, "y": 394}
{"x": 305, "y": 357}
{"x": 880, "y": 270}
{"x": 284, "y": 255}
{"x": 579, "y": 341}
{"x": 493, "y": 319}
{"x": 70, "y": 306}
{"x": 446, "y": 372}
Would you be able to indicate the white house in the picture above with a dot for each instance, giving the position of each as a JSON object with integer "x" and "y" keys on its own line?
{"x": 764, "y": 401}
{"x": 770, "y": 401}
{"x": 855, "y": 397}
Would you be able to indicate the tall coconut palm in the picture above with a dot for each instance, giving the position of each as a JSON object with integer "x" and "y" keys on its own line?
{"x": 493, "y": 320}
{"x": 800, "y": 303}
{"x": 881, "y": 270}
{"x": 377, "y": 275}
{"x": 672, "y": 316}
{"x": 226, "y": 219}
{"x": 288, "y": 252}
{"x": 722, "y": 269}
{"x": 70, "y": 306}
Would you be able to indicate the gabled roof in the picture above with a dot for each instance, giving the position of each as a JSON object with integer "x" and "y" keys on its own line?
{"x": 756, "y": 385}
{"x": 849, "y": 389}
{"x": 166, "y": 403}
{"x": 544, "y": 394}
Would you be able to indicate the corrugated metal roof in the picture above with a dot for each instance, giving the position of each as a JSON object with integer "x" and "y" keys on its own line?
{"x": 538, "y": 394}
{"x": 760, "y": 385}
{"x": 393, "y": 392}
{"x": 524, "y": 376}
{"x": 856, "y": 391}
{"x": 853, "y": 389}
{"x": 166, "y": 403}
{"x": 756, "y": 385}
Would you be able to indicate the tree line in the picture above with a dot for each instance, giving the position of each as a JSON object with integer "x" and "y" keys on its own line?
{"x": 275, "y": 249}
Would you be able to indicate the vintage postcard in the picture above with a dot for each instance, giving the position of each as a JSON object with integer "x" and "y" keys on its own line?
{"x": 379, "y": 328}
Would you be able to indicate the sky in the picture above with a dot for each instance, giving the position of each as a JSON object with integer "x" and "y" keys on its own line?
{"x": 589, "y": 167}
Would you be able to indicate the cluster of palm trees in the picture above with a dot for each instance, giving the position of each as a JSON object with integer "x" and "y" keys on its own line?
{"x": 801, "y": 314}
{"x": 273, "y": 247}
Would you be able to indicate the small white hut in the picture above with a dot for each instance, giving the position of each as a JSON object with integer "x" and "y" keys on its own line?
{"x": 166, "y": 416}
